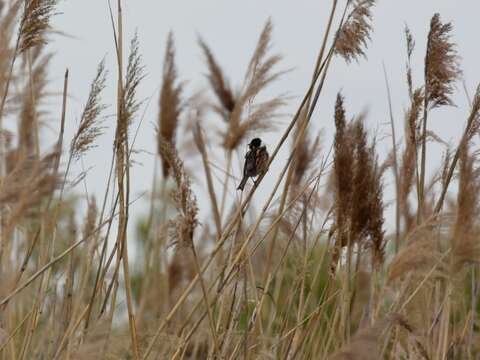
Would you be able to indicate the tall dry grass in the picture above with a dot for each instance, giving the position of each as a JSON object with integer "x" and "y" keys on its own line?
{"x": 312, "y": 274}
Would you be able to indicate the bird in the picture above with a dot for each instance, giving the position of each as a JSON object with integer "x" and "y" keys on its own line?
{"x": 256, "y": 161}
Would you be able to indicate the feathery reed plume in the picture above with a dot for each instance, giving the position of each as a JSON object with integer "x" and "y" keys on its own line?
{"x": 183, "y": 226}
{"x": 465, "y": 247}
{"x": 358, "y": 189}
{"x": 421, "y": 254}
{"x": 258, "y": 76}
{"x": 473, "y": 125}
{"x": 441, "y": 72}
{"x": 464, "y": 241}
{"x": 135, "y": 74}
{"x": 22, "y": 190}
{"x": 342, "y": 168}
{"x": 91, "y": 218}
{"x": 441, "y": 64}
{"x": 8, "y": 21}
{"x": 410, "y": 47}
{"x": 367, "y": 206}
{"x": 446, "y": 157}
{"x": 306, "y": 157}
{"x": 375, "y": 229}
{"x": 33, "y": 95}
{"x": 186, "y": 221}
{"x": 130, "y": 103}
{"x": 361, "y": 182}
{"x": 409, "y": 156}
{"x": 170, "y": 102}
{"x": 90, "y": 122}
{"x": 364, "y": 345}
{"x": 417, "y": 258}
{"x": 306, "y": 154}
{"x": 354, "y": 34}
{"x": 219, "y": 84}
{"x": 35, "y": 22}
{"x": 261, "y": 50}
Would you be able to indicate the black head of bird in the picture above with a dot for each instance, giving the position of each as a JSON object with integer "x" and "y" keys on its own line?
{"x": 255, "y": 143}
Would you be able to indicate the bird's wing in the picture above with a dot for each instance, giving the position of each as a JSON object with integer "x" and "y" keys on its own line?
{"x": 249, "y": 167}
{"x": 262, "y": 159}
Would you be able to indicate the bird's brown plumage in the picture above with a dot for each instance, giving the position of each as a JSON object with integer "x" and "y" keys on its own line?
{"x": 256, "y": 161}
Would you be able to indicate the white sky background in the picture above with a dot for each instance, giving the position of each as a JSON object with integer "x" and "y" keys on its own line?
{"x": 231, "y": 29}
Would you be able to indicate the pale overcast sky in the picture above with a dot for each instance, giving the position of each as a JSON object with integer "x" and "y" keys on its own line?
{"x": 231, "y": 28}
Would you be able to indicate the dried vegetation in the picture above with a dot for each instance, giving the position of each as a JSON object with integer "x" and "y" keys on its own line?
{"x": 314, "y": 274}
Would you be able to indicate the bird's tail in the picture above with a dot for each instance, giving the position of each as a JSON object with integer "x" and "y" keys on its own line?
{"x": 242, "y": 183}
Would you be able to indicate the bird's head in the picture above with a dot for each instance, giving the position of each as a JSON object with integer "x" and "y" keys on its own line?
{"x": 255, "y": 143}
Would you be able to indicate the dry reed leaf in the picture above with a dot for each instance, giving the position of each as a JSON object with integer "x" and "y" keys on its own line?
{"x": 170, "y": 102}
{"x": 354, "y": 34}
{"x": 90, "y": 127}
{"x": 434, "y": 137}
{"x": 35, "y": 22}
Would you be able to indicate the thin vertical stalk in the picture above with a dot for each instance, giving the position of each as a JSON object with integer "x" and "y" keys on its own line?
{"x": 225, "y": 183}
{"x": 123, "y": 188}
{"x": 32, "y": 96}
{"x": 395, "y": 162}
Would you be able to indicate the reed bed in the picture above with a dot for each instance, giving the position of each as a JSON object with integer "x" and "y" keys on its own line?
{"x": 307, "y": 269}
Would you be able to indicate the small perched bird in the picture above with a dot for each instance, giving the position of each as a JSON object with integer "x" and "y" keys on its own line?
{"x": 256, "y": 161}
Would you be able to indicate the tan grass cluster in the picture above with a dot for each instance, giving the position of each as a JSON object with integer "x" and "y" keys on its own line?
{"x": 354, "y": 34}
{"x": 223, "y": 279}
{"x": 441, "y": 64}
{"x": 358, "y": 188}
{"x": 186, "y": 221}
{"x": 90, "y": 126}
{"x": 35, "y": 23}
{"x": 170, "y": 102}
